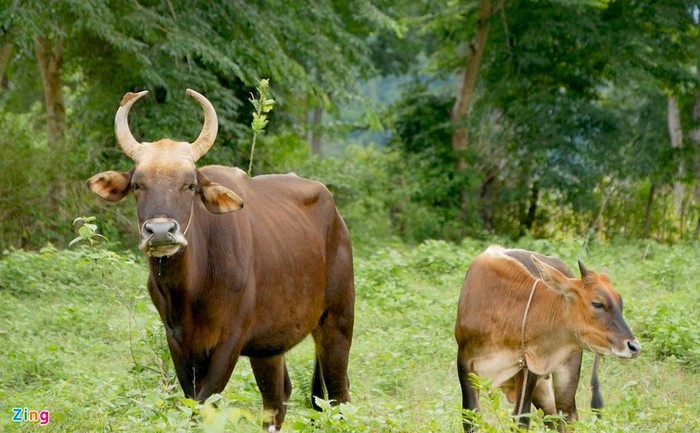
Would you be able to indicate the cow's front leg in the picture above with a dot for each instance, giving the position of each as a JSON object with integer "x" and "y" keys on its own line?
{"x": 220, "y": 366}
{"x": 273, "y": 381}
{"x": 182, "y": 366}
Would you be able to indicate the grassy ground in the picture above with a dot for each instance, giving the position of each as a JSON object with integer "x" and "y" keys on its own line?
{"x": 80, "y": 338}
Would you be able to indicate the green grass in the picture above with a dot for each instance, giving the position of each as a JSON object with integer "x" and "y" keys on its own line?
{"x": 80, "y": 338}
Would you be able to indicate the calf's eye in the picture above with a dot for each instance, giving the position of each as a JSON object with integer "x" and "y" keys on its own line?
{"x": 597, "y": 304}
{"x": 192, "y": 186}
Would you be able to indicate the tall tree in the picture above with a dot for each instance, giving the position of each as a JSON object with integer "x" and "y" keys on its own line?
{"x": 467, "y": 80}
{"x": 675, "y": 132}
{"x": 694, "y": 137}
{"x": 5, "y": 52}
{"x": 49, "y": 56}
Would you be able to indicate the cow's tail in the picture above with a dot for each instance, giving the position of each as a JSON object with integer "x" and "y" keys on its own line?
{"x": 318, "y": 386}
{"x": 596, "y": 398}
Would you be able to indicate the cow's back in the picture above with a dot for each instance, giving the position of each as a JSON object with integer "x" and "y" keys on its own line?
{"x": 286, "y": 211}
{"x": 291, "y": 222}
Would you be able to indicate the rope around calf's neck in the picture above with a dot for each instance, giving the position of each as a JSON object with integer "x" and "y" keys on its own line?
{"x": 523, "y": 361}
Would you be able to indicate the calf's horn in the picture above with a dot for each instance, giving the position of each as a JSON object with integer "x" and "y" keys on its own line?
{"x": 121, "y": 125}
{"x": 582, "y": 268}
{"x": 211, "y": 126}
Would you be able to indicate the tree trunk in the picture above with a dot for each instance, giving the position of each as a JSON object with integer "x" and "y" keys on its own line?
{"x": 316, "y": 131}
{"x": 468, "y": 78}
{"x": 694, "y": 136}
{"x": 6, "y": 39}
{"x": 49, "y": 55}
{"x": 650, "y": 207}
{"x": 486, "y": 200}
{"x": 5, "y": 51}
{"x": 532, "y": 209}
{"x": 597, "y": 225}
{"x": 675, "y": 133}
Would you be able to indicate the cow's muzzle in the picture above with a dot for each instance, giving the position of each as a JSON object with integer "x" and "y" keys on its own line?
{"x": 161, "y": 237}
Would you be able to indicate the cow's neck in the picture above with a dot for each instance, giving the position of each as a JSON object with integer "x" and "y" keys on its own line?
{"x": 169, "y": 271}
{"x": 174, "y": 273}
{"x": 184, "y": 271}
{"x": 172, "y": 291}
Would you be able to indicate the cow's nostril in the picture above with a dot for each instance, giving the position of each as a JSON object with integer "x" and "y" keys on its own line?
{"x": 634, "y": 346}
{"x": 160, "y": 228}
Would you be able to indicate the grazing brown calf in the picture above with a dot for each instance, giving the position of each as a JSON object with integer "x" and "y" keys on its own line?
{"x": 523, "y": 317}
{"x": 253, "y": 282}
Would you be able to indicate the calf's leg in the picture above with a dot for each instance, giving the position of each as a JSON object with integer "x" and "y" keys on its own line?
{"x": 470, "y": 397}
{"x": 544, "y": 398}
{"x": 565, "y": 380}
{"x": 524, "y": 401}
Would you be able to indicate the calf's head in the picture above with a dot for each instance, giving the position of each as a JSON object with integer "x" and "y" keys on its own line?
{"x": 165, "y": 181}
{"x": 595, "y": 310}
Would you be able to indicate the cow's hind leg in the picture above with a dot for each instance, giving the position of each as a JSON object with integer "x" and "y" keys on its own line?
{"x": 333, "y": 335}
{"x": 470, "y": 397}
{"x": 333, "y": 338}
{"x": 275, "y": 387}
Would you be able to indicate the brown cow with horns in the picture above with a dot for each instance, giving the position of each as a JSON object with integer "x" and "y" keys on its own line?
{"x": 522, "y": 322}
{"x": 253, "y": 282}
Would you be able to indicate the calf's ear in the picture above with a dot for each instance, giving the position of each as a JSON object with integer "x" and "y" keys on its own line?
{"x": 554, "y": 279}
{"x": 111, "y": 185}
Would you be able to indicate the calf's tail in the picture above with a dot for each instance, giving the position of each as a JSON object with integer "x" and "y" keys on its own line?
{"x": 597, "y": 398}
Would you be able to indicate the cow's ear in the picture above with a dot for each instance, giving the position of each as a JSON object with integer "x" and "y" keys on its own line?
{"x": 111, "y": 185}
{"x": 554, "y": 279}
{"x": 217, "y": 198}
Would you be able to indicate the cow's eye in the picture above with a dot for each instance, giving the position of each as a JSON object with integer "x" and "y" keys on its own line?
{"x": 192, "y": 186}
{"x": 597, "y": 304}
{"x": 135, "y": 186}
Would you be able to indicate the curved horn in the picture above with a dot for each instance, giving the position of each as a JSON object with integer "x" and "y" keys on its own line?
{"x": 211, "y": 126}
{"x": 121, "y": 125}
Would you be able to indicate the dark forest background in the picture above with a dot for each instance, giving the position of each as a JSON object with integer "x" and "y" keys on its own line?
{"x": 427, "y": 120}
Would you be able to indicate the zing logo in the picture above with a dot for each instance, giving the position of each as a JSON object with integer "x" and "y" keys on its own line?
{"x": 19, "y": 414}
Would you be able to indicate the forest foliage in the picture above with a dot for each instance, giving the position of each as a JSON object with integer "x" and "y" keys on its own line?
{"x": 583, "y": 119}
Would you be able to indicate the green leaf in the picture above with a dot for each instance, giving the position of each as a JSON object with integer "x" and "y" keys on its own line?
{"x": 85, "y": 232}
